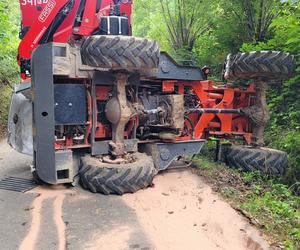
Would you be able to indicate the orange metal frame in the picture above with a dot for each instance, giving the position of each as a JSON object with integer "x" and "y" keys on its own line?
{"x": 216, "y": 97}
{"x": 223, "y": 126}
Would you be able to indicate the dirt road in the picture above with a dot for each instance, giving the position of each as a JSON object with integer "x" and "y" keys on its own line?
{"x": 179, "y": 212}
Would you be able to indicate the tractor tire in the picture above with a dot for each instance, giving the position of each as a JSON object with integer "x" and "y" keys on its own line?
{"x": 263, "y": 65}
{"x": 121, "y": 53}
{"x": 265, "y": 160}
{"x": 119, "y": 179}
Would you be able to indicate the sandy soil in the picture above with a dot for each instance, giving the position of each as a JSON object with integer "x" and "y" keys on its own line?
{"x": 181, "y": 212}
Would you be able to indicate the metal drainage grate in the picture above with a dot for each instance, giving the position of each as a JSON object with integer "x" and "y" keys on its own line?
{"x": 17, "y": 184}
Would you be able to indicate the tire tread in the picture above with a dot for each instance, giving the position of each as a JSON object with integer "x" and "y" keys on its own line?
{"x": 268, "y": 65}
{"x": 116, "y": 179}
{"x": 120, "y": 52}
{"x": 268, "y": 161}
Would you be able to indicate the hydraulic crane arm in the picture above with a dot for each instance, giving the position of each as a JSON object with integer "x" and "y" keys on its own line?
{"x": 45, "y": 21}
{"x": 41, "y": 30}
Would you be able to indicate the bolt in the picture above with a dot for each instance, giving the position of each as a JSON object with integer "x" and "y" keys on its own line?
{"x": 86, "y": 20}
{"x": 70, "y": 104}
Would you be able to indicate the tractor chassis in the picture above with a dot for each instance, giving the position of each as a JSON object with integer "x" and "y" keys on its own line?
{"x": 124, "y": 109}
{"x": 59, "y": 166}
{"x": 58, "y": 98}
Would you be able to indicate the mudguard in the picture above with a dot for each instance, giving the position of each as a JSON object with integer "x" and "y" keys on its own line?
{"x": 20, "y": 120}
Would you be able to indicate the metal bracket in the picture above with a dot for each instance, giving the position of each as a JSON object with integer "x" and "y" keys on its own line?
{"x": 165, "y": 153}
{"x": 102, "y": 147}
{"x": 169, "y": 69}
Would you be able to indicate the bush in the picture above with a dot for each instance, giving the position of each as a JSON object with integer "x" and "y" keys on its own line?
{"x": 289, "y": 141}
{"x": 277, "y": 210}
{"x": 9, "y": 28}
{"x": 283, "y": 131}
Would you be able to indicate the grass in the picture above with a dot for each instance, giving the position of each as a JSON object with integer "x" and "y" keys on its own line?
{"x": 268, "y": 204}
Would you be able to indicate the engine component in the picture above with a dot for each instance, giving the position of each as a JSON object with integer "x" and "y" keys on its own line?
{"x": 164, "y": 111}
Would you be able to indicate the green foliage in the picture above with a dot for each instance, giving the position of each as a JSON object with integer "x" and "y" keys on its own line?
{"x": 222, "y": 27}
{"x": 288, "y": 141}
{"x": 9, "y": 21}
{"x": 251, "y": 177}
{"x": 254, "y": 17}
{"x": 283, "y": 131}
{"x": 278, "y": 210}
{"x": 176, "y": 24}
{"x": 208, "y": 150}
{"x": 147, "y": 22}
{"x": 204, "y": 162}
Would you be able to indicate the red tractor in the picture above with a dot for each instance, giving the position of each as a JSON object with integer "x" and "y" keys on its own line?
{"x": 98, "y": 103}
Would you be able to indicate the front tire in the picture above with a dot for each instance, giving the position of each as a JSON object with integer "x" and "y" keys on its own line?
{"x": 105, "y": 178}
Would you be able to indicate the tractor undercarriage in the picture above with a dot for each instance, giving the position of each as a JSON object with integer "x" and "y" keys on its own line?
{"x": 98, "y": 103}
{"x": 112, "y": 113}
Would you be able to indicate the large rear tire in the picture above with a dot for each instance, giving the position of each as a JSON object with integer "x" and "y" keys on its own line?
{"x": 268, "y": 161}
{"x": 121, "y": 53}
{"x": 119, "y": 179}
{"x": 264, "y": 65}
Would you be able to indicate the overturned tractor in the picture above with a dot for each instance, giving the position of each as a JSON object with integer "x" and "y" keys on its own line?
{"x": 97, "y": 103}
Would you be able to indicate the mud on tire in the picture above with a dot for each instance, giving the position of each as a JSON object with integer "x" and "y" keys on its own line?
{"x": 105, "y": 178}
{"x": 121, "y": 52}
{"x": 266, "y": 65}
{"x": 268, "y": 161}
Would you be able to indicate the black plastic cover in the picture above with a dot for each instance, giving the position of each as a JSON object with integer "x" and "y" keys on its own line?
{"x": 70, "y": 104}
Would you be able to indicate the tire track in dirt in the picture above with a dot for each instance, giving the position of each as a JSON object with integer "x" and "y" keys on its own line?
{"x": 31, "y": 237}
{"x": 58, "y": 219}
{"x": 44, "y": 193}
